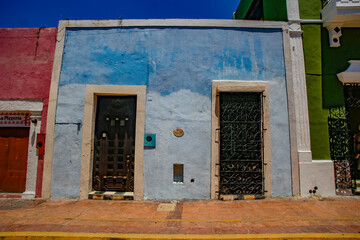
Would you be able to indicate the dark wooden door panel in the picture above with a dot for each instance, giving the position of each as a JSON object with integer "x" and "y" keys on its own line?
{"x": 114, "y": 143}
{"x": 13, "y": 159}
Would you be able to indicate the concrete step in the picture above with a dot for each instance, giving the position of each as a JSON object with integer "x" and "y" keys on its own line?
{"x": 111, "y": 195}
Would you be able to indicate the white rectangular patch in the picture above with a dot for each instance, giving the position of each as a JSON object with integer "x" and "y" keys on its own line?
{"x": 166, "y": 207}
{"x": 14, "y": 120}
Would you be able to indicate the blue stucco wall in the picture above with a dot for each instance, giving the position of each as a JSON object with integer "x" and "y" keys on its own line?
{"x": 177, "y": 65}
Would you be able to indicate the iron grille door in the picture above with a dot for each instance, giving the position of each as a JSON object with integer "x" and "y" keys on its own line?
{"x": 114, "y": 143}
{"x": 340, "y": 149}
{"x": 352, "y": 105}
{"x": 241, "y": 144}
{"x": 344, "y": 138}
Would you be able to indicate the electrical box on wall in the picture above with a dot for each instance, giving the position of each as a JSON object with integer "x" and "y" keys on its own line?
{"x": 40, "y": 144}
{"x": 150, "y": 140}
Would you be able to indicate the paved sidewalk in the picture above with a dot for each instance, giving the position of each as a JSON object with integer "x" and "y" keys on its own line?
{"x": 207, "y": 217}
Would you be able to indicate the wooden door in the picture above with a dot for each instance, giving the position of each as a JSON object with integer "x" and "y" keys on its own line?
{"x": 13, "y": 159}
{"x": 114, "y": 144}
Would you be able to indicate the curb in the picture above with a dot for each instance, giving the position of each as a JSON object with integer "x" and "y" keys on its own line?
{"x": 109, "y": 236}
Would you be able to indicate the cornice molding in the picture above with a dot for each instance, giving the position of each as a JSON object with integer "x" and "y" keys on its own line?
{"x": 171, "y": 23}
{"x": 351, "y": 74}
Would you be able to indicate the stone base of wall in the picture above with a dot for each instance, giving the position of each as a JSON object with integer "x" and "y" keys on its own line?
{"x": 320, "y": 174}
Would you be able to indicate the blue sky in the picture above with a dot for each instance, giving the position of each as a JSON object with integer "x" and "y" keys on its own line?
{"x": 47, "y": 13}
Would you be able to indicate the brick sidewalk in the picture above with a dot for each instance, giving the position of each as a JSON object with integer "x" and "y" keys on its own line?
{"x": 269, "y": 216}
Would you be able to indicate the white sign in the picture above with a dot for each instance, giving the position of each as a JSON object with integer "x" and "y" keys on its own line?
{"x": 14, "y": 120}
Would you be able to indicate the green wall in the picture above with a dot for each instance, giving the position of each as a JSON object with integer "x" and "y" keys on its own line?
{"x": 275, "y": 10}
{"x": 317, "y": 115}
{"x": 310, "y": 9}
{"x": 242, "y": 9}
{"x": 322, "y": 63}
{"x": 272, "y": 10}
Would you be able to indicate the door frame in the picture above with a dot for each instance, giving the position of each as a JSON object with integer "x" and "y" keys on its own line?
{"x": 34, "y": 107}
{"x": 219, "y": 86}
{"x": 92, "y": 91}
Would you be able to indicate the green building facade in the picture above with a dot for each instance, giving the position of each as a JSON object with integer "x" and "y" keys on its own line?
{"x": 331, "y": 38}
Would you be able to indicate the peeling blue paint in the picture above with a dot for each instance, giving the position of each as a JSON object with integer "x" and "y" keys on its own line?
{"x": 106, "y": 66}
{"x": 157, "y": 55}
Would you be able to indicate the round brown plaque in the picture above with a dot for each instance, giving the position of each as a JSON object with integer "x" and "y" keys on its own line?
{"x": 178, "y": 132}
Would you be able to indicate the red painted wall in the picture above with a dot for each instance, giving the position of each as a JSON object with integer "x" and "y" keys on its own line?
{"x": 26, "y": 61}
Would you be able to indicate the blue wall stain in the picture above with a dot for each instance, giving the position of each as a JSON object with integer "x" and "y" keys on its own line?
{"x": 177, "y": 65}
{"x": 183, "y": 57}
{"x": 259, "y": 58}
{"x": 247, "y": 64}
{"x": 106, "y": 66}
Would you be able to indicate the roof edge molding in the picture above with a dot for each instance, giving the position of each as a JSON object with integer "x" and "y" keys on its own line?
{"x": 351, "y": 74}
{"x": 224, "y": 23}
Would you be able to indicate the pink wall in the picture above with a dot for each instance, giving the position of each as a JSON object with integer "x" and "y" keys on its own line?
{"x": 26, "y": 61}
